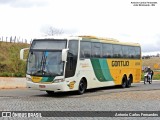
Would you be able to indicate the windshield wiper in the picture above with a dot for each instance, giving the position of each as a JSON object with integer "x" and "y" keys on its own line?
{"x": 50, "y": 73}
{"x": 38, "y": 71}
{"x": 43, "y": 72}
{"x": 42, "y": 62}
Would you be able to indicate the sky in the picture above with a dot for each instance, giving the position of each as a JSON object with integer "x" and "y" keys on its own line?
{"x": 118, "y": 19}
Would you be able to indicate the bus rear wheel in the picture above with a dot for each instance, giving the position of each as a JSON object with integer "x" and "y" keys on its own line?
{"x": 82, "y": 86}
{"x": 129, "y": 82}
{"x": 124, "y": 82}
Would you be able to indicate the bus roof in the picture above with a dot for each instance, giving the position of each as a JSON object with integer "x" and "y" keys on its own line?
{"x": 98, "y": 38}
{"x": 107, "y": 40}
{"x": 91, "y": 38}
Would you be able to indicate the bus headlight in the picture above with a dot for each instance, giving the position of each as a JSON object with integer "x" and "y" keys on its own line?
{"x": 29, "y": 79}
{"x": 58, "y": 80}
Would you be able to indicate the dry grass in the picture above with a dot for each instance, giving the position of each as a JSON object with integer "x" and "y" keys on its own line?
{"x": 151, "y": 62}
{"x": 10, "y": 62}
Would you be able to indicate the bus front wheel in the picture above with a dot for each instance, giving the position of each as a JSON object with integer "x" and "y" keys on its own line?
{"x": 50, "y": 92}
{"x": 82, "y": 86}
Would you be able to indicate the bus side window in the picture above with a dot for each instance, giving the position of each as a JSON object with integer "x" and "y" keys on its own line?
{"x": 117, "y": 51}
{"x": 131, "y": 52}
{"x": 96, "y": 50}
{"x": 107, "y": 50}
{"x": 137, "y": 52}
{"x": 125, "y": 51}
{"x": 85, "y": 49}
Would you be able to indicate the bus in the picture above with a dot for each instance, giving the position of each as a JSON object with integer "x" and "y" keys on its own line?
{"x": 79, "y": 63}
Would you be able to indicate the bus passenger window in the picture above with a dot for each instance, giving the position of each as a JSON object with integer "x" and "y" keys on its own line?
{"x": 131, "y": 52}
{"x": 107, "y": 50}
{"x": 125, "y": 51}
{"x": 85, "y": 49}
{"x": 137, "y": 52}
{"x": 96, "y": 50}
{"x": 117, "y": 51}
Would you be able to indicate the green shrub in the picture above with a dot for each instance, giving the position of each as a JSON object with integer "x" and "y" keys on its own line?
{"x": 10, "y": 63}
{"x": 5, "y": 74}
{"x": 19, "y": 75}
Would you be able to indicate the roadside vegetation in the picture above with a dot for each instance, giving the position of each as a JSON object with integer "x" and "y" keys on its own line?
{"x": 10, "y": 63}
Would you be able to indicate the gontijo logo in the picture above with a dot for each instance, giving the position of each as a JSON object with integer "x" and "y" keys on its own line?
{"x": 120, "y": 63}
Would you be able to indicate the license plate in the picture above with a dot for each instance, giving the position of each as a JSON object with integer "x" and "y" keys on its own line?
{"x": 42, "y": 86}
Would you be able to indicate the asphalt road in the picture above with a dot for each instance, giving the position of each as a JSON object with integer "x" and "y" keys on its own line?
{"x": 138, "y": 97}
{"x": 24, "y": 92}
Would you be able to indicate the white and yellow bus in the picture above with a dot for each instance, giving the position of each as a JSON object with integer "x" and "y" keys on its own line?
{"x": 80, "y": 63}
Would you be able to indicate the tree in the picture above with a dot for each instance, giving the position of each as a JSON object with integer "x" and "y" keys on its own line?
{"x": 158, "y": 55}
{"x": 52, "y": 31}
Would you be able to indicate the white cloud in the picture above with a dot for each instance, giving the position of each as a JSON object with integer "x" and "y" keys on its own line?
{"x": 112, "y": 18}
{"x": 24, "y": 3}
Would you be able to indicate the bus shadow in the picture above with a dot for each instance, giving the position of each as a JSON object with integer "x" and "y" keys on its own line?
{"x": 74, "y": 93}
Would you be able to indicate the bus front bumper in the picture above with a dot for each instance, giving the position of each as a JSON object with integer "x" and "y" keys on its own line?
{"x": 56, "y": 87}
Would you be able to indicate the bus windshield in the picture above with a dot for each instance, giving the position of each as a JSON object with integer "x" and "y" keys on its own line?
{"x": 45, "y": 57}
{"x": 49, "y": 44}
{"x": 45, "y": 63}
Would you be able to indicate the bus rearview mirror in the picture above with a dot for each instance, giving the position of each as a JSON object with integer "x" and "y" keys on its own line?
{"x": 64, "y": 55}
{"x": 22, "y": 53}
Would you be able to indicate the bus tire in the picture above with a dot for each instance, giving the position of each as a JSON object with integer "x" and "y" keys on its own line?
{"x": 129, "y": 81}
{"x": 124, "y": 82}
{"x": 82, "y": 86}
{"x": 50, "y": 92}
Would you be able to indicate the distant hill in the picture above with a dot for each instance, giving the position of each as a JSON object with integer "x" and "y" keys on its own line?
{"x": 10, "y": 63}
